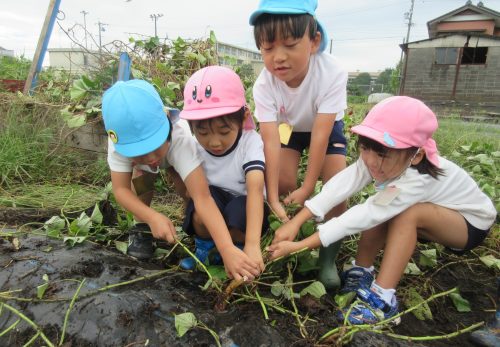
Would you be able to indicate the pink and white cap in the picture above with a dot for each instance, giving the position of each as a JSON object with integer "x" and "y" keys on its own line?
{"x": 214, "y": 91}
{"x": 401, "y": 122}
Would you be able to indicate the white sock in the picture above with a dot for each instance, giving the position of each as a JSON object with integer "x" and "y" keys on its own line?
{"x": 368, "y": 269}
{"x": 386, "y": 294}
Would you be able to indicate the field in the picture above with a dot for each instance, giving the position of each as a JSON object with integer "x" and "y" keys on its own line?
{"x": 64, "y": 279}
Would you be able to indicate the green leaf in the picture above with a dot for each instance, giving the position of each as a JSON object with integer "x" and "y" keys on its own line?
{"x": 213, "y": 39}
{"x": 278, "y": 288}
{"x": 308, "y": 261}
{"x": 428, "y": 258}
{"x": 344, "y": 300}
{"x": 307, "y": 229}
{"x": 184, "y": 322}
{"x": 413, "y": 298}
{"x": 71, "y": 241}
{"x": 316, "y": 289}
{"x": 40, "y": 290}
{"x": 96, "y": 216}
{"x": 217, "y": 271}
{"x": 412, "y": 269}
{"x": 78, "y": 90}
{"x": 81, "y": 225}
{"x": 201, "y": 59}
{"x": 54, "y": 226}
{"x": 461, "y": 304}
{"x": 76, "y": 120}
{"x": 121, "y": 246}
{"x": 490, "y": 261}
{"x": 275, "y": 225}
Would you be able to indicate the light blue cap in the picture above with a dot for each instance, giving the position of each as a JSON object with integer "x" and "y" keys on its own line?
{"x": 134, "y": 117}
{"x": 291, "y": 7}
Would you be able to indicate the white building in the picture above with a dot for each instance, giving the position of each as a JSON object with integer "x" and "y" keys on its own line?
{"x": 228, "y": 52}
{"x": 74, "y": 60}
{"x": 6, "y": 52}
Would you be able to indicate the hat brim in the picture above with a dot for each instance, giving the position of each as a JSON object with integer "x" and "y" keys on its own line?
{"x": 208, "y": 113}
{"x": 378, "y": 136}
{"x": 145, "y": 146}
{"x": 287, "y": 10}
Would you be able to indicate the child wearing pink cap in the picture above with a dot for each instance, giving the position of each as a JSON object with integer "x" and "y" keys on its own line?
{"x": 233, "y": 160}
{"x": 300, "y": 97}
{"x": 420, "y": 196}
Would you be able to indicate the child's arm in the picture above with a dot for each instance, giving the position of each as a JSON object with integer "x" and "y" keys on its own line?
{"x": 320, "y": 135}
{"x": 161, "y": 226}
{"x": 255, "y": 215}
{"x": 236, "y": 262}
{"x": 284, "y": 248}
{"x": 272, "y": 146}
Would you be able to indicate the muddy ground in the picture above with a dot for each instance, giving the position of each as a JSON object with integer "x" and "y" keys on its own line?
{"x": 140, "y": 311}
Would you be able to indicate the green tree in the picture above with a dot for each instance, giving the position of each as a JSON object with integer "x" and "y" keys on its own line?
{"x": 384, "y": 80}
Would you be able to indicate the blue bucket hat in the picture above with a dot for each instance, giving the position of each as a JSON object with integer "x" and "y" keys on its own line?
{"x": 134, "y": 118}
{"x": 291, "y": 7}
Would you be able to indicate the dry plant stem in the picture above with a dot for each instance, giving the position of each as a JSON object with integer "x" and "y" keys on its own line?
{"x": 429, "y": 278}
{"x": 69, "y": 310}
{"x": 30, "y": 322}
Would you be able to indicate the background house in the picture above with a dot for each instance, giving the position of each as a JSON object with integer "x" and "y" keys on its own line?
{"x": 74, "y": 60}
{"x": 460, "y": 62}
{"x": 6, "y": 52}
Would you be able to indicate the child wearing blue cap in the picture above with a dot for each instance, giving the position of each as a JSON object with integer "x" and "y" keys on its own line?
{"x": 142, "y": 140}
{"x": 300, "y": 98}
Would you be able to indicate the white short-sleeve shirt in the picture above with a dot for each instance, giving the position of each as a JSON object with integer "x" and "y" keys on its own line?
{"x": 228, "y": 171}
{"x": 324, "y": 90}
{"x": 182, "y": 154}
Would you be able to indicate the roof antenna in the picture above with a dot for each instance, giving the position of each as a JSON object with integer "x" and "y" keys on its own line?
{"x": 480, "y": 4}
{"x": 469, "y": 2}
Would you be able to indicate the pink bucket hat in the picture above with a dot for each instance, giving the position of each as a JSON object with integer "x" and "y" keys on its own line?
{"x": 214, "y": 91}
{"x": 401, "y": 122}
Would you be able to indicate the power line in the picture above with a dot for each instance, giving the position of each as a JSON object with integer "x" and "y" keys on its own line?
{"x": 85, "y": 13}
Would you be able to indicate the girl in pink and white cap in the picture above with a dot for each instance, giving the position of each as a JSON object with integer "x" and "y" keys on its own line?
{"x": 233, "y": 160}
{"x": 420, "y": 196}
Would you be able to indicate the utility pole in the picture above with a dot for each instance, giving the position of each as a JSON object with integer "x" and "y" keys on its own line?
{"x": 155, "y": 18}
{"x": 101, "y": 28}
{"x": 409, "y": 16}
{"x": 85, "y": 13}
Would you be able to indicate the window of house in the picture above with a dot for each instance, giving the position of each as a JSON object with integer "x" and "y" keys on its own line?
{"x": 446, "y": 55}
{"x": 474, "y": 55}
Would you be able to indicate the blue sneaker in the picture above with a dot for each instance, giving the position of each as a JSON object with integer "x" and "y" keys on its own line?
{"x": 372, "y": 309}
{"x": 355, "y": 278}
{"x": 202, "y": 251}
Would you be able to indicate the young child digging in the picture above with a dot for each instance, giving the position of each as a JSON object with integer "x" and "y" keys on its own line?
{"x": 300, "y": 97}
{"x": 420, "y": 196}
{"x": 142, "y": 140}
{"x": 233, "y": 160}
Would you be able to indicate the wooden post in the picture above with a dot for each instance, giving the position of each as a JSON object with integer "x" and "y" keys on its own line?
{"x": 41, "y": 48}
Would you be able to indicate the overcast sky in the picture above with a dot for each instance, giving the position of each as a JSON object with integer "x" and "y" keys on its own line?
{"x": 366, "y": 33}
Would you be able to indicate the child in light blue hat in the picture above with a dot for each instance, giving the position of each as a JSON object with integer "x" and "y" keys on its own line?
{"x": 300, "y": 97}
{"x": 143, "y": 140}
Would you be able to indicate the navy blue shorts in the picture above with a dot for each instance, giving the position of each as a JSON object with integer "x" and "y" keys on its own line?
{"x": 301, "y": 140}
{"x": 475, "y": 237}
{"x": 232, "y": 208}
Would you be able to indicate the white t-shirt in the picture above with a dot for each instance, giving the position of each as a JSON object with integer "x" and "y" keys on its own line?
{"x": 181, "y": 155}
{"x": 228, "y": 171}
{"x": 322, "y": 91}
{"x": 455, "y": 190}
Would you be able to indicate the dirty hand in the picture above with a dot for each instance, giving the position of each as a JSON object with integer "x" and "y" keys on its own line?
{"x": 238, "y": 265}
{"x": 298, "y": 196}
{"x": 286, "y": 232}
{"x": 255, "y": 254}
{"x": 283, "y": 248}
{"x": 162, "y": 228}
{"x": 279, "y": 210}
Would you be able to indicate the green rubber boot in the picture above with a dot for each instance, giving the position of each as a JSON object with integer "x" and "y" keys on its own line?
{"x": 328, "y": 274}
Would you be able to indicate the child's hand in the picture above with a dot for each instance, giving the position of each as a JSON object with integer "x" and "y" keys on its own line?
{"x": 254, "y": 253}
{"x": 162, "y": 228}
{"x": 286, "y": 232}
{"x": 279, "y": 211}
{"x": 239, "y": 265}
{"x": 298, "y": 196}
{"x": 283, "y": 248}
